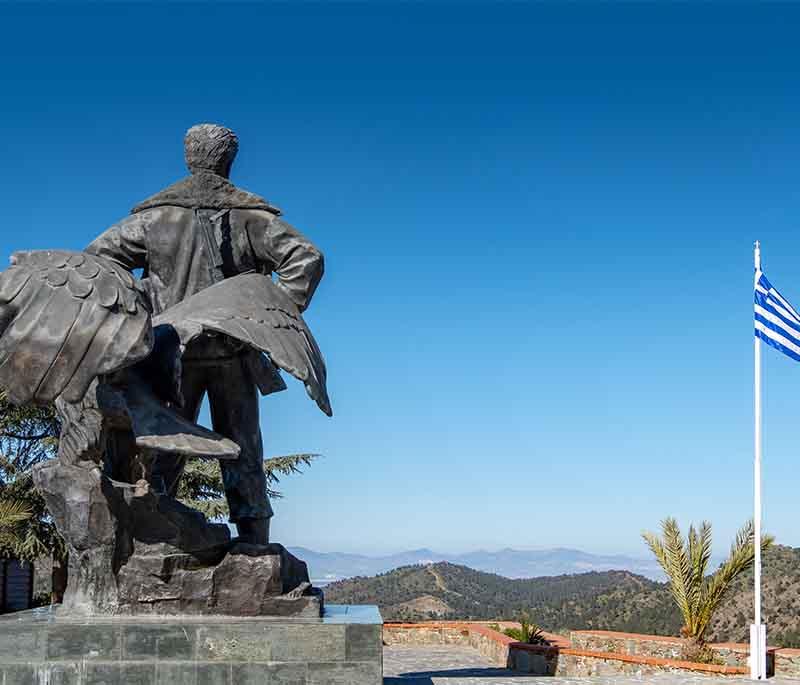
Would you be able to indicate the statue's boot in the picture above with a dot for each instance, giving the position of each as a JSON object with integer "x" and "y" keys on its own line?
{"x": 253, "y": 531}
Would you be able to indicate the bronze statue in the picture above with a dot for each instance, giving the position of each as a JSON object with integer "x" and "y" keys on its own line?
{"x": 195, "y": 233}
{"x": 128, "y": 360}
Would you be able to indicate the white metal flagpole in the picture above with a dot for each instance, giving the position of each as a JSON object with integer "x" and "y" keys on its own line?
{"x": 758, "y": 632}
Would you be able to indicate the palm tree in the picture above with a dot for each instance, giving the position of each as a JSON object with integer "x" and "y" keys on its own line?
{"x": 13, "y": 513}
{"x": 697, "y": 594}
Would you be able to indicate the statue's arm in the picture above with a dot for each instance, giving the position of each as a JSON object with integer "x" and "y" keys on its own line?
{"x": 124, "y": 242}
{"x": 296, "y": 261}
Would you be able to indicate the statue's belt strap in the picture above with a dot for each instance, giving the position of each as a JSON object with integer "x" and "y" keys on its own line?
{"x": 206, "y": 218}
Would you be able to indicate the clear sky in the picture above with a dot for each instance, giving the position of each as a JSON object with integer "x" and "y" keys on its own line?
{"x": 538, "y": 222}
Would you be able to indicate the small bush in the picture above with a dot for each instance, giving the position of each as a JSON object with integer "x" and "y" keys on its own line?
{"x": 528, "y": 632}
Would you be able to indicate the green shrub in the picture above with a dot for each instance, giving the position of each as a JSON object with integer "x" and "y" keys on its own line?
{"x": 528, "y": 632}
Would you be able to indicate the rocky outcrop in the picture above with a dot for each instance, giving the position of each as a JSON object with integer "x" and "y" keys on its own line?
{"x": 133, "y": 551}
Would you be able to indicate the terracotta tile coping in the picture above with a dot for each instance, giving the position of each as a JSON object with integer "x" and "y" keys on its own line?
{"x": 562, "y": 647}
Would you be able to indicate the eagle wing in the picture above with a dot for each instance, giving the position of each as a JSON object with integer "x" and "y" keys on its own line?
{"x": 66, "y": 318}
{"x": 252, "y": 309}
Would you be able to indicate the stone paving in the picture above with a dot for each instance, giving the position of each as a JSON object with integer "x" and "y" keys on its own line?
{"x": 453, "y": 665}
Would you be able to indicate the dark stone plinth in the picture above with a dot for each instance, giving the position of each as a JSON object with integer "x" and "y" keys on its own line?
{"x": 344, "y": 647}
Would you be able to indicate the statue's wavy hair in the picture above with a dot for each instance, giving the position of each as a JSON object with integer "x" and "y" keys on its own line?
{"x": 210, "y": 147}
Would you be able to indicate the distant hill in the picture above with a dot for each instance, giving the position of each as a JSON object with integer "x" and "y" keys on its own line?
{"x": 781, "y": 601}
{"x": 604, "y": 600}
{"x": 327, "y": 567}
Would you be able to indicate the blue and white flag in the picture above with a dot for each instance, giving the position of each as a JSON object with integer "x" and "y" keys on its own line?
{"x": 776, "y": 321}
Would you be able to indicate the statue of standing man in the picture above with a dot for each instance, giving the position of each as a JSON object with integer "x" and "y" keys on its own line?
{"x": 187, "y": 237}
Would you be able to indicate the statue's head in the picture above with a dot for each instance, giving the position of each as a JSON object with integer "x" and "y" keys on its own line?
{"x": 209, "y": 147}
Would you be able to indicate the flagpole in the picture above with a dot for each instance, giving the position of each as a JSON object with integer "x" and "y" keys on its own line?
{"x": 758, "y": 638}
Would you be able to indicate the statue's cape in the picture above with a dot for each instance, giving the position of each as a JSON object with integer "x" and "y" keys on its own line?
{"x": 207, "y": 191}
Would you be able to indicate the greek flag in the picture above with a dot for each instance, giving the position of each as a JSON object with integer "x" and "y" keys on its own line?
{"x": 776, "y": 321}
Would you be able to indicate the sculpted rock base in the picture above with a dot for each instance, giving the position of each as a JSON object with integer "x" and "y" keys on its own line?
{"x": 136, "y": 552}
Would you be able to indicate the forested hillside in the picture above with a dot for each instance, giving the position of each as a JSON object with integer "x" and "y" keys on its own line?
{"x": 781, "y": 599}
{"x": 610, "y": 600}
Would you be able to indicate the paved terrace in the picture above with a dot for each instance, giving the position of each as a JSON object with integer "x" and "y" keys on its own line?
{"x": 456, "y": 665}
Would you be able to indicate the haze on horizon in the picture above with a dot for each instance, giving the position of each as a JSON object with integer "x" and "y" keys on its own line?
{"x": 537, "y": 220}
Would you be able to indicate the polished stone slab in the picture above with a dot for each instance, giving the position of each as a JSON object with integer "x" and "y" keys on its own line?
{"x": 343, "y": 646}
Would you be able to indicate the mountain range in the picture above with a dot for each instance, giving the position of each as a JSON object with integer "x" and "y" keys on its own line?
{"x": 327, "y": 567}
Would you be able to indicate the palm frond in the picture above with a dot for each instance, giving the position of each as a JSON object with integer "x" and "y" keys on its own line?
{"x": 12, "y": 513}
{"x": 740, "y": 559}
{"x": 699, "y": 556}
{"x": 674, "y": 558}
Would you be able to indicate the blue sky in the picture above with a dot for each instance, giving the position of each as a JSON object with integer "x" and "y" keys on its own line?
{"x": 538, "y": 222}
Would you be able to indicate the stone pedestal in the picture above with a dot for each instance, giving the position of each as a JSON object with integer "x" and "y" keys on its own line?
{"x": 344, "y": 647}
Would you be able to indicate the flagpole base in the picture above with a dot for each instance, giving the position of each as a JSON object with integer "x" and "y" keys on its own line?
{"x": 758, "y": 652}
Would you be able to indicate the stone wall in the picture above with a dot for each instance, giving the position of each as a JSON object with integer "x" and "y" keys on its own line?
{"x": 595, "y": 654}
{"x": 730, "y": 654}
{"x": 727, "y": 653}
{"x": 787, "y": 662}
{"x": 627, "y": 643}
{"x": 492, "y": 645}
{"x": 579, "y": 662}
{"x": 587, "y": 653}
